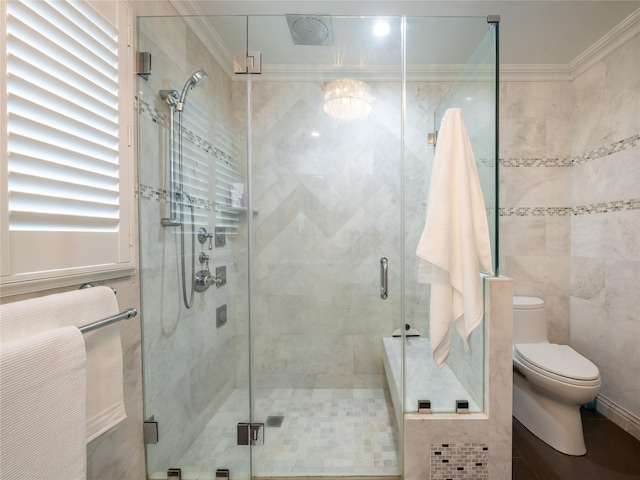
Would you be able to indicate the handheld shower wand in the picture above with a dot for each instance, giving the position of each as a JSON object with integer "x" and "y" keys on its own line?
{"x": 191, "y": 82}
{"x": 176, "y": 187}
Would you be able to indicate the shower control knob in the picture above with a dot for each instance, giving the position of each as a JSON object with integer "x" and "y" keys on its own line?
{"x": 203, "y": 236}
{"x": 204, "y": 279}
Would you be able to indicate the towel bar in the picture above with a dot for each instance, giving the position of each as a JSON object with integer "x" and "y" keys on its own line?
{"x": 129, "y": 313}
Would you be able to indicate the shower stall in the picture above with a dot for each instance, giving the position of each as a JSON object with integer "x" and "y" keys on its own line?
{"x": 294, "y": 181}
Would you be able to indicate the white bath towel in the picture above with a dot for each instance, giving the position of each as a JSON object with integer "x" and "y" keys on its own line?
{"x": 105, "y": 389}
{"x": 42, "y": 406}
{"x": 455, "y": 242}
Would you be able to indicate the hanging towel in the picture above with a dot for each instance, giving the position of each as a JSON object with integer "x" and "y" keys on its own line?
{"x": 455, "y": 242}
{"x": 43, "y": 406}
{"x": 105, "y": 389}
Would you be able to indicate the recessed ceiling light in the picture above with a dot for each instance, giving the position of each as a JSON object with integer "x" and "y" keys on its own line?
{"x": 315, "y": 134}
{"x": 381, "y": 28}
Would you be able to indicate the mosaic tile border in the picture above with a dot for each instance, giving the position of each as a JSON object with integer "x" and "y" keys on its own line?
{"x": 608, "y": 207}
{"x": 459, "y": 461}
{"x": 195, "y": 139}
{"x": 607, "y": 150}
{"x": 614, "y": 206}
{"x": 161, "y": 195}
{"x": 610, "y": 149}
{"x": 535, "y": 162}
{"x": 152, "y": 113}
{"x": 486, "y": 162}
{"x": 534, "y": 212}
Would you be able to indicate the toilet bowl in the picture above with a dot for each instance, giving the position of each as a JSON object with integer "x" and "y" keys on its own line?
{"x": 550, "y": 381}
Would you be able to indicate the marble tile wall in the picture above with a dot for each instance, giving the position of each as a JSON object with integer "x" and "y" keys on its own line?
{"x": 605, "y": 227}
{"x": 190, "y": 362}
{"x": 329, "y": 209}
{"x": 426, "y": 434}
{"x": 535, "y": 195}
{"x": 318, "y": 317}
{"x": 570, "y": 213}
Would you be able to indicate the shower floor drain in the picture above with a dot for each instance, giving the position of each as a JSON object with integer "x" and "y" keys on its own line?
{"x": 274, "y": 420}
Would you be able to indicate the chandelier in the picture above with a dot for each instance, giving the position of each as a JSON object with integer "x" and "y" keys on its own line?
{"x": 347, "y": 99}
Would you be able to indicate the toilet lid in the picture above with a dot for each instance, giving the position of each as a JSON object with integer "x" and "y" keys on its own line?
{"x": 527, "y": 303}
{"x": 559, "y": 359}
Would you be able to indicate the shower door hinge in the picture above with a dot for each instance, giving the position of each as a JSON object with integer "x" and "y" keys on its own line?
{"x": 251, "y": 434}
{"x": 247, "y": 62}
{"x": 174, "y": 474}
{"x": 150, "y": 431}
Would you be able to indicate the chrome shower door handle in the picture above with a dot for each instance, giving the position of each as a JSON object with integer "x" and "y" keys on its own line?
{"x": 384, "y": 277}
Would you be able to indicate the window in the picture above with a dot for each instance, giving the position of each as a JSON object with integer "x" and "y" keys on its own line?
{"x": 66, "y": 168}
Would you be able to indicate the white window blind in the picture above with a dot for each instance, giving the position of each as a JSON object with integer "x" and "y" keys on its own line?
{"x": 227, "y": 214}
{"x": 195, "y": 162}
{"x": 66, "y": 206}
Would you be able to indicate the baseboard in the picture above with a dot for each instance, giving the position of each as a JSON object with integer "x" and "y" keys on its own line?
{"x": 618, "y": 415}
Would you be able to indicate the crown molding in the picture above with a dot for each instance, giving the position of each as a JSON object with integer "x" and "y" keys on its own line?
{"x": 621, "y": 34}
{"x": 373, "y": 73}
{"x": 534, "y": 73}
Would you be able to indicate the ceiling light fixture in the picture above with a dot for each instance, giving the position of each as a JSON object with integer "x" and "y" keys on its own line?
{"x": 381, "y": 28}
{"x": 347, "y": 99}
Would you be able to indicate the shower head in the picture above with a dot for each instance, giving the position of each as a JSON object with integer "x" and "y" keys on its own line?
{"x": 310, "y": 29}
{"x": 191, "y": 82}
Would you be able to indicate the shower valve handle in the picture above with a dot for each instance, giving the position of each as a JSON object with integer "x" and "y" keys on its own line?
{"x": 203, "y": 236}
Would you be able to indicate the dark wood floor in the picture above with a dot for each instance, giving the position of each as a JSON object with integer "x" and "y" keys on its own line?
{"x": 612, "y": 454}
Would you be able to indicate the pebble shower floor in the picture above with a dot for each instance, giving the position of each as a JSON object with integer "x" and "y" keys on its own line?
{"x": 324, "y": 432}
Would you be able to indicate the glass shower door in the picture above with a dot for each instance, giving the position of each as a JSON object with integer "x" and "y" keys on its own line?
{"x": 195, "y": 352}
{"x": 325, "y": 132}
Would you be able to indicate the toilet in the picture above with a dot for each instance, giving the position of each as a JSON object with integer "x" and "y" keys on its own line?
{"x": 550, "y": 381}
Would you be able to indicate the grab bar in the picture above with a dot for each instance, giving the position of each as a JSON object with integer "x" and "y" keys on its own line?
{"x": 129, "y": 313}
{"x": 384, "y": 277}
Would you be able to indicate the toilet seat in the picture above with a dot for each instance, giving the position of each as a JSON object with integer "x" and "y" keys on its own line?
{"x": 558, "y": 362}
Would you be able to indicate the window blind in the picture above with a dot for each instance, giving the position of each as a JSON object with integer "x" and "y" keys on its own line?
{"x": 195, "y": 164}
{"x": 228, "y": 211}
{"x": 63, "y": 137}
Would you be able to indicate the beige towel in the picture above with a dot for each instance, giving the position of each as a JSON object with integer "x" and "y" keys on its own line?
{"x": 455, "y": 242}
{"x": 105, "y": 394}
{"x": 42, "y": 406}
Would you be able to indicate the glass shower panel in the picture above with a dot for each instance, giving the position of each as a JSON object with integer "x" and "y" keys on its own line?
{"x": 457, "y": 69}
{"x": 474, "y": 91}
{"x": 195, "y": 359}
{"x": 325, "y": 183}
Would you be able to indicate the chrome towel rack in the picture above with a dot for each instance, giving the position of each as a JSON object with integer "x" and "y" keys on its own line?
{"x": 125, "y": 315}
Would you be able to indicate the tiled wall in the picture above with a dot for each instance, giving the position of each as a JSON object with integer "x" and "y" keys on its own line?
{"x": 605, "y": 226}
{"x": 570, "y": 213}
{"x": 467, "y": 436}
{"x": 328, "y": 210}
{"x": 535, "y": 194}
{"x": 459, "y": 461}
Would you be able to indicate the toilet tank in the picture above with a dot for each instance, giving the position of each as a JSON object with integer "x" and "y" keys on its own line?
{"x": 529, "y": 320}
